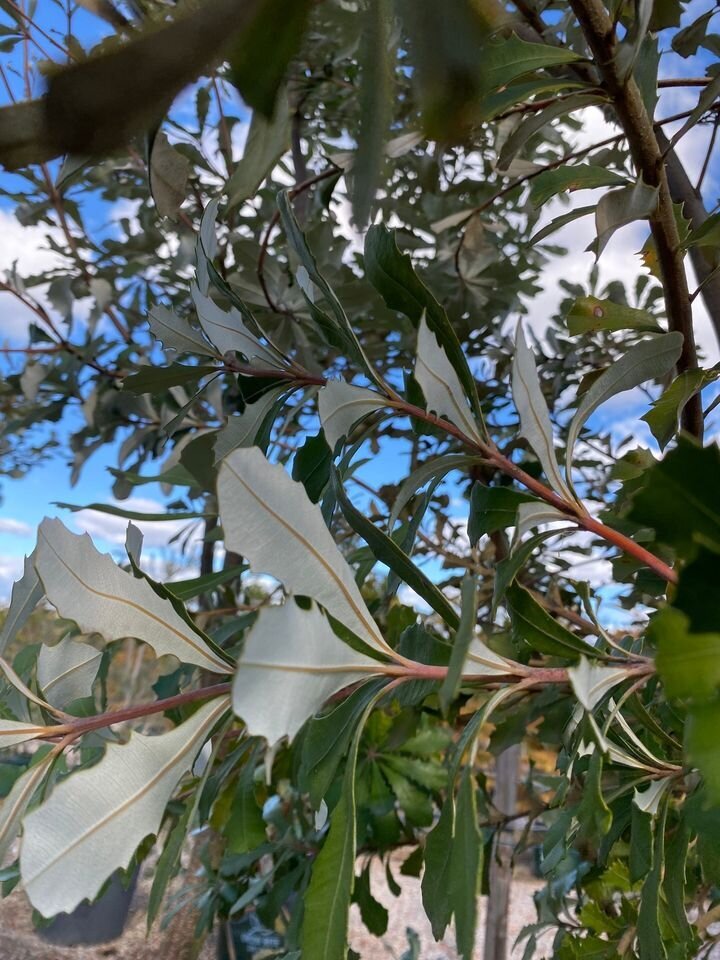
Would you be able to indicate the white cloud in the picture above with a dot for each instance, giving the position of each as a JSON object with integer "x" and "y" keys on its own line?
{"x": 620, "y": 260}
{"x": 157, "y": 533}
{"x": 11, "y": 569}
{"x": 27, "y": 247}
{"x": 15, "y": 527}
{"x": 410, "y": 598}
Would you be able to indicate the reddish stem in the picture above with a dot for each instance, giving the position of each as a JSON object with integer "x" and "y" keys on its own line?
{"x": 85, "y": 724}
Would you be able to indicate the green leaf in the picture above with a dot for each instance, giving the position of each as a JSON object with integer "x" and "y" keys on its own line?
{"x": 244, "y": 429}
{"x": 534, "y": 627}
{"x": 373, "y": 914}
{"x": 446, "y": 43}
{"x": 539, "y": 119}
{"x": 375, "y": 57}
{"x": 296, "y": 239}
{"x": 463, "y": 638}
{"x": 188, "y": 589}
{"x": 666, "y": 13}
{"x": 686, "y": 41}
{"x": 327, "y": 900}
{"x": 267, "y": 140}
{"x": 259, "y": 59}
{"x": 268, "y": 518}
{"x": 649, "y": 936}
{"x": 583, "y": 176}
{"x": 706, "y": 99}
{"x": 674, "y": 885}
{"x": 593, "y": 814}
{"x": 415, "y": 803}
{"x": 492, "y": 509}
{"x": 21, "y": 795}
{"x": 106, "y": 811}
{"x": 620, "y": 207}
{"x": 679, "y": 498}
{"x": 391, "y": 273}
{"x": 436, "y": 878}
{"x": 649, "y": 359}
{"x": 508, "y": 569}
{"x": 327, "y": 739}
{"x": 435, "y": 468}
{"x": 158, "y": 379}
{"x": 311, "y": 465}
{"x": 695, "y": 594}
{"x": 664, "y": 416}
{"x": 169, "y": 171}
{"x": 132, "y": 514}
{"x": 465, "y": 866}
{"x": 535, "y": 423}
{"x": 641, "y": 844}
{"x": 629, "y": 49}
{"x": 560, "y": 222}
{"x": 97, "y": 105}
{"x": 505, "y": 60}
{"x": 516, "y": 93}
{"x": 701, "y": 744}
{"x": 290, "y": 664}
{"x": 89, "y": 588}
{"x": 707, "y": 234}
{"x": 688, "y": 663}
{"x": 245, "y": 827}
{"x": 589, "y": 314}
{"x": 387, "y": 551}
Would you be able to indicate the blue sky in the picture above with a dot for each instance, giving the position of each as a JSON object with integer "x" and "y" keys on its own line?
{"x": 26, "y": 501}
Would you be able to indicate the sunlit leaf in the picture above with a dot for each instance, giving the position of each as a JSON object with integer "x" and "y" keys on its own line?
{"x": 175, "y": 333}
{"x": 291, "y": 663}
{"x": 268, "y": 518}
{"x": 67, "y": 671}
{"x": 341, "y": 405}
{"x": 227, "y": 330}
{"x": 440, "y": 384}
{"x": 94, "y": 820}
{"x": 27, "y": 592}
{"x": 87, "y": 587}
{"x": 535, "y": 423}
{"x": 591, "y": 682}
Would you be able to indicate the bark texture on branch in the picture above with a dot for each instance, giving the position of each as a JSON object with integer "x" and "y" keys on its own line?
{"x": 683, "y": 192}
{"x": 647, "y": 156}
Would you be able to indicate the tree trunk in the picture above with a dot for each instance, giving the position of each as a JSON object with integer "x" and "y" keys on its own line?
{"x": 507, "y": 771}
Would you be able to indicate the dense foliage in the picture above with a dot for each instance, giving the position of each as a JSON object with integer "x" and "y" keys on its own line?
{"x": 249, "y": 333}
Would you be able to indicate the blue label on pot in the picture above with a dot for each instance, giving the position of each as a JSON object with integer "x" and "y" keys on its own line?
{"x": 253, "y": 935}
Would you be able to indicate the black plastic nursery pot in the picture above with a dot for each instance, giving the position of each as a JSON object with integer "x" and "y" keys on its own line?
{"x": 92, "y": 923}
{"x": 250, "y": 939}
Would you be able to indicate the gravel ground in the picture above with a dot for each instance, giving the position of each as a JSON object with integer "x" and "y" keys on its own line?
{"x": 18, "y": 941}
{"x": 406, "y": 912}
